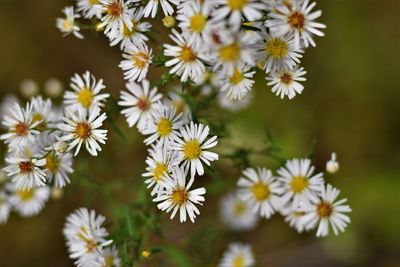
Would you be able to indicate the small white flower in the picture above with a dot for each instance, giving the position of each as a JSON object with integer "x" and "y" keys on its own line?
{"x": 140, "y": 103}
{"x": 89, "y": 8}
{"x": 237, "y": 213}
{"x": 60, "y": 147}
{"x": 177, "y": 196}
{"x": 53, "y": 87}
{"x": 58, "y": 168}
{"x": 85, "y": 94}
{"x": 117, "y": 16}
{"x": 82, "y": 128}
{"x": 238, "y": 84}
{"x": 176, "y": 100}
{"x": 5, "y": 207}
{"x": 152, "y": 7}
{"x": 85, "y": 237}
{"x": 261, "y": 190}
{"x": 226, "y": 102}
{"x": 29, "y": 88}
{"x": 286, "y": 82}
{"x": 109, "y": 258}
{"x": 332, "y": 165}
{"x": 237, "y": 255}
{"x": 29, "y": 202}
{"x": 293, "y": 216}
{"x": 326, "y": 211}
{"x": 137, "y": 62}
{"x": 297, "y": 20}
{"x": 187, "y": 60}
{"x": 6, "y": 105}
{"x": 299, "y": 184}
{"x": 192, "y": 147}
{"x": 42, "y": 112}
{"x": 67, "y": 25}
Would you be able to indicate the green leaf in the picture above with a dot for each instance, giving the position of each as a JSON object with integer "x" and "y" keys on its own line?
{"x": 178, "y": 257}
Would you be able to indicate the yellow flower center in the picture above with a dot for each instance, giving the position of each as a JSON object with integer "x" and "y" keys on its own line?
{"x": 324, "y": 210}
{"x": 83, "y": 130}
{"x": 25, "y": 167}
{"x": 239, "y": 208}
{"x": 21, "y": 129}
{"x": 26, "y": 195}
{"x": 67, "y": 25}
{"x": 164, "y": 127}
{"x": 238, "y": 261}
{"x": 236, "y": 77}
{"x": 52, "y": 163}
{"x": 286, "y": 78}
{"x": 159, "y": 171}
{"x": 140, "y": 59}
{"x": 260, "y": 191}
{"x": 179, "y": 196}
{"x": 187, "y": 54}
{"x": 197, "y": 22}
{"x": 237, "y": 4}
{"x": 85, "y": 97}
{"x": 94, "y": 2}
{"x": 179, "y": 106}
{"x": 276, "y": 48}
{"x": 229, "y": 52}
{"x": 38, "y": 117}
{"x": 108, "y": 261}
{"x": 296, "y": 20}
{"x": 192, "y": 150}
{"x": 299, "y": 183}
{"x": 146, "y": 254}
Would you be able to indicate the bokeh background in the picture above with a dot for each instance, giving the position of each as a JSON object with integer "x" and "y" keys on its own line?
{"x": 351, "y": 105}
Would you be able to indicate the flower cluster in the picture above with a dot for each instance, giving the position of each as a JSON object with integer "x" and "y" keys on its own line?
{"x": 296, "y": 192}
{"x": 217, "y": 42}
{"x": 87, "y": 240}
{"x": 39, "y": 139}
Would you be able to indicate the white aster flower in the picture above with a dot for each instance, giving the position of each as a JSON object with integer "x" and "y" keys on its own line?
{"x": 29, "y": 202}
{"x": 286, "y": 82}
{"x": 164, "y": 126}
{"x": 177, "y": 196}
{"x": 238, "y": 84}
{"x": 187, "y": 60}
{"x": 299, "y": 184}
{"x": 327, "y": 211}
{"x": 42, "y": 112}
{"x": 260, "y": 188}
{"x": 82, "y": 127}
{"x": 117, "y": 16}
{"x": 109, "y": 258}
{"x": 6, "y": 105}
{"x": 237, "y": 213}
{"x": 85, "y": 94}
{"x": 67, "y": 25}
{"x": 21, "y": 129}
{"x": 24, "y": 166}
{"x": 58, "y": 168}
{"x": 192, "y": 147}
{"x": 89, "y": 8}
{"x": 226, "y": 102}
{"x": 85, "y": 237}
{"x": 176, "y": 100}
{"x": 237, "y": 255}
{"x": 152, "y": 7}
{"x": 137, "y": 62}
{"x": 332, "y": 165}
{"x": 293, "y": 216}
{"x": 252, "y": 10}
{"x": 298, "y": 20}
{"x": 5, "y": 207}
{"x": 139, "y": 102}
{"x": 277, "y": 52}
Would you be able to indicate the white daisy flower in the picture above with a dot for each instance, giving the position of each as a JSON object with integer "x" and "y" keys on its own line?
{"x": 298, "y": 20}
{"x": 237, "y": 213}
{"x": 160, "y": 163}
{"x": 83, "y": 128}
{"x": 187, "y": 60}
{"x": 109, "y": 258}
{"x": 277, "y": 52}
{"x": 192, "y": 147}
{"x": 21, "y": 129}
{"x": 85, "y": 236}
{"x": 299, "y": 184}
{"x": 234, "y": 105}
{"x": 89, "y": 8}
{"x": 327, "y": 211}
{"x": 237, "y": 255}
{"x": 137, "y": 62}
{"x": 135, "y": 36}
{"x": 24, "y": 166}
{"x": 177, "y": 197}
{"x": 58, "y": 168}
{"x": 176, "y": 100}
{"x": 6, "y": 105}
{"x": 293, "y": 217}
{"x": 260, "y": 188}
{"x": 139, "y": 102}
{"x": 286, "y": 82}
{"x": 5, "y": 207}
{"x": 237, "y": 84}
{"x": 85, "y": 94}
{"x": 117, "y": 16}
{"x": 42, "y": 112}
{"x": 164, "y": 126}
{"x": 29, "y": 202}
{"x": 152, "y": 7}
{"x": 252, "y": 10}
{"x": 67, "y": 25}
{"x": 332, "y": 166}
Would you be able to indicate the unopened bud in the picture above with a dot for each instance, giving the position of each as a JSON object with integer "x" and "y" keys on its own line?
{"x": 169, "y": 21}
{"x": 146, "y": 254}
{"x": 53, "y": 88}
{"x": 29, "y": 88}
{"x": 332, "y": 165}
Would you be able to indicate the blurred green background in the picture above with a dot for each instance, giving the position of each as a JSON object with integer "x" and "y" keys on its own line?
{"x": 351, "y": 105}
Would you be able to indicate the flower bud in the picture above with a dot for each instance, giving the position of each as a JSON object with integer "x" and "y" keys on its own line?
{"x": 332, "y": 165}
{"x": 169, "y": 21}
